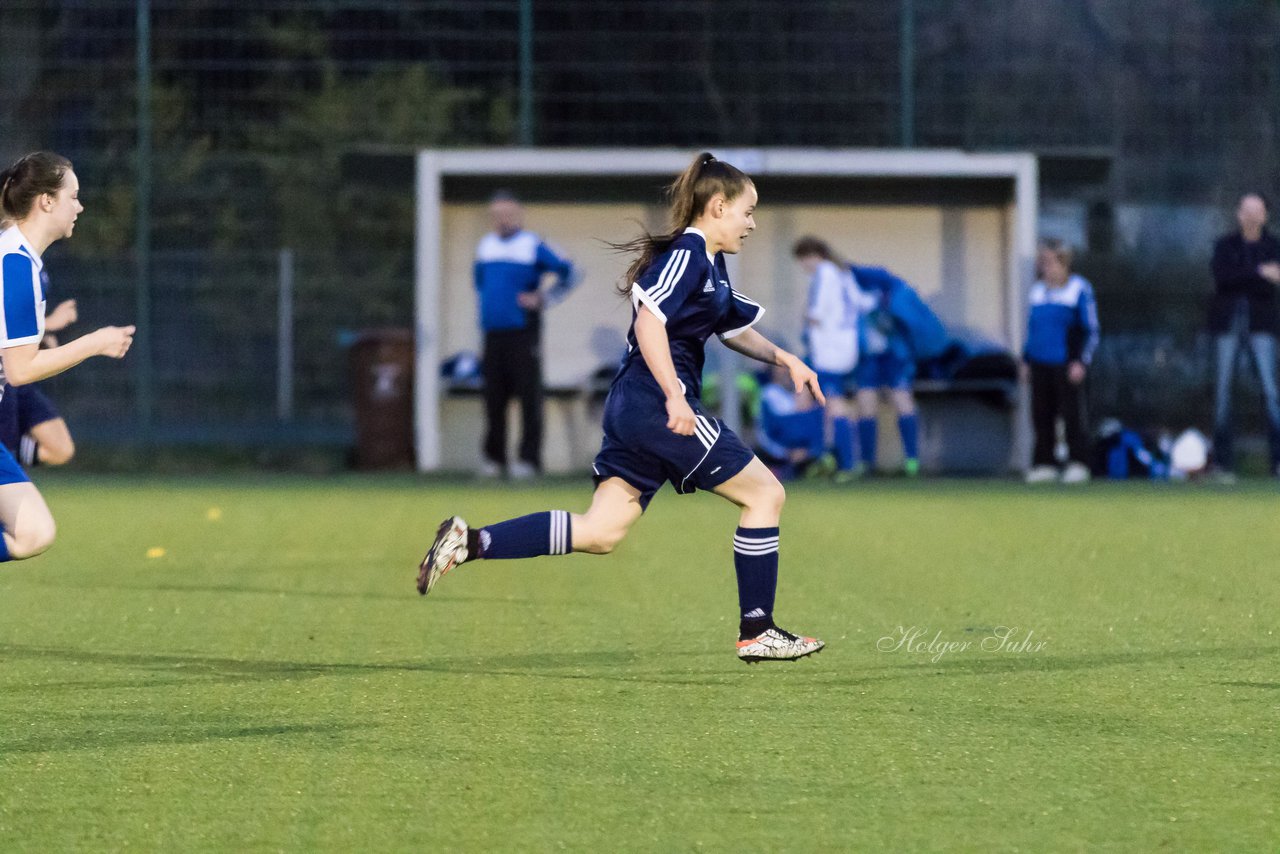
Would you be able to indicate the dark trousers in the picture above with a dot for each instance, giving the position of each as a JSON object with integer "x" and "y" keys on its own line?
{"x": 512, "y": 367}
{"x": 1054, "y": 396}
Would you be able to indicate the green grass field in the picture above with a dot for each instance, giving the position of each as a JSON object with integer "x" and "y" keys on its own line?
{"x": 273, "y": 681}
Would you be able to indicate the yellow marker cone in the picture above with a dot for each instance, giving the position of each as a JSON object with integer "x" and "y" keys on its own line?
{"x": 155, "y": 551}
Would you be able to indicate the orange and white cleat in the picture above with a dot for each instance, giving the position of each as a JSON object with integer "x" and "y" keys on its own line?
{"x": 448, "y": 550}
{"x": 775, "y": 644}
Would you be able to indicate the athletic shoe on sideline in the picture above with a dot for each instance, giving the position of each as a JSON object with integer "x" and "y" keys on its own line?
{"x": 488, "y": 470}
{"x": 775, "y": 644}
{"x": 1041, "y": 474}
{"x": 911, "y": 467}
{"x": 858, "y": 472}
{"x": 824, "y": 466}
{"x": 520, "y": 470}
{"x": 1076, "y": 473}
{"x": 448, "y": 550}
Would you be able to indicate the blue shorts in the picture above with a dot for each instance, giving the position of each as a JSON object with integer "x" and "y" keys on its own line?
{"x": 640, "y": 449}
{"x": 833, "y": 385}
{"x": 10, "y": 471}
{"x": 21, "y": 408}
{"x": 884, "y": 370}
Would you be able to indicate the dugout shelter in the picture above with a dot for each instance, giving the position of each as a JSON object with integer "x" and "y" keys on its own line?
{"x": 961, "y": 227}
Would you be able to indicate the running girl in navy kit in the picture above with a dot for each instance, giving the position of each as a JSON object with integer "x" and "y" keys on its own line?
{"x": 655, "y": 429}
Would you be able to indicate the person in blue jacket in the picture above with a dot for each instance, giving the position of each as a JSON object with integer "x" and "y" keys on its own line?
{"x": 1062, "y": 334}
{"x": 509, "y": 269}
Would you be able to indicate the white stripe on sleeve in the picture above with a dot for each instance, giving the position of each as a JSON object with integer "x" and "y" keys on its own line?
{"x": 671, "y": 274}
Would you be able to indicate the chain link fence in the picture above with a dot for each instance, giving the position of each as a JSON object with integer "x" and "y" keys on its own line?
{"x": 283, "y": 124}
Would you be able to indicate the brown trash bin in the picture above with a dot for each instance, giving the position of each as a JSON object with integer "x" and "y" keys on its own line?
{"x": 382, "y": 388}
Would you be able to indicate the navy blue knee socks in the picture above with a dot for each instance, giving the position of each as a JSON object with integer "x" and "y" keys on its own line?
{"x": 546, "y": 533}
{"x": 755, "y": 559}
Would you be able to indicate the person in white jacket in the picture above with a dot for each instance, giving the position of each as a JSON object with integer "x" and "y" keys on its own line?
{"x": 831, "y": 333}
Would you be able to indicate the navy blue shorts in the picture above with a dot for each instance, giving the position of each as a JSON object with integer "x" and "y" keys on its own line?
{"x": 34, "y": 407}
{"x": 21, "y": 408}
{"x": 640, "y": 449}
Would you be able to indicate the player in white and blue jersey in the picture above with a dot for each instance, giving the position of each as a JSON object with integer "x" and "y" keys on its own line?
{"x": 831, "y": 331}
{"x": 655, "y": 430}
{"x": 31, "y": 428}
{"x": 1062, "y": 334}
{"x": 39, "y": 195}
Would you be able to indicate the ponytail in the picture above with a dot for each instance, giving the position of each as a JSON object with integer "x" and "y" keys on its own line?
{"x": 687, "y": 198}
{"x": 6, "y": 178}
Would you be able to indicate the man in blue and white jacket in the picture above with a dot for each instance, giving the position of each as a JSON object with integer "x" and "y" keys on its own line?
{"x": 509, "y": 269}
{"x": 1062, "y": 335}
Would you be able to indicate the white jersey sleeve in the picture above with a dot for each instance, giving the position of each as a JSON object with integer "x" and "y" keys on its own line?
{"x": 743, "y": 314}
{"x": 22, "y": 313}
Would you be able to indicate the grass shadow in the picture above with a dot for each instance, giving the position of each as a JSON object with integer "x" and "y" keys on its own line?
{"x": 165, "y": 732}
{"x": 209, "y": 668}
{"x": 406, "y": 594}
{"x": 623, "y": 665}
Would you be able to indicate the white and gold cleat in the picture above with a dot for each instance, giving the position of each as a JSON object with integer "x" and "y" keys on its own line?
{"x": 775, "y": 644}
{"x": 448, "y": 550}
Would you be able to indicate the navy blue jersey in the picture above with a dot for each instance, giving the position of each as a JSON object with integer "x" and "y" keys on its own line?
{"x": 690, "y": 293}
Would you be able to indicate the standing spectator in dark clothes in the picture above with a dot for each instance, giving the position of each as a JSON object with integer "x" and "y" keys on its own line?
{"x": 1242, "y": 316}
{"x": 510, "y": 265}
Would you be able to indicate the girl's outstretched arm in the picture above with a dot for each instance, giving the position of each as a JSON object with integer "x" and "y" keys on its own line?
{"x": 752, "y": 344}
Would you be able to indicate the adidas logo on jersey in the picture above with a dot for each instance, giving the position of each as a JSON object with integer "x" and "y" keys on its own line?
{"x": 709, "y": 287}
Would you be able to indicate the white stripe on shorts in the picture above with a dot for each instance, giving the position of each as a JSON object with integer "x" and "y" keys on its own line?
{"x": 706, "y": 431}
{"x": 27, "y": 451}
